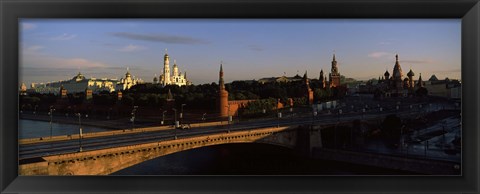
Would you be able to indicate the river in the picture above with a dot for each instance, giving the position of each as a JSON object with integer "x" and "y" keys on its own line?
{"x": 35, "y": 129}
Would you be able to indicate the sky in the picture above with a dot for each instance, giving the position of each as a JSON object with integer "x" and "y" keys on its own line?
{"x": 57, "y": 49}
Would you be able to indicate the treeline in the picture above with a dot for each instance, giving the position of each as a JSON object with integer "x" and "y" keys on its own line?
{"x": 204, "y": 96}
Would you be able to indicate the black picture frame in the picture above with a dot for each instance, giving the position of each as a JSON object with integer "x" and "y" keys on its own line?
{"x": 11, "y": 11}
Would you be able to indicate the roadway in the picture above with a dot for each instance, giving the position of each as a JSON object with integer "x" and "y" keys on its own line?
{"x": 70, "y": 146}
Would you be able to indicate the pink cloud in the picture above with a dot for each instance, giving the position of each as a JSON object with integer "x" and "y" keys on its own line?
{"x": 379, "y": 54}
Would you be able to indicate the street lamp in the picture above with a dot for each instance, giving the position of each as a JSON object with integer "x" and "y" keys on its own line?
{"x": 339, "y": 113}
{"x": 291, "y": 112}
{"x": 134, "y": 110}
{"x": 51, "y": 117}
{"x": 181, "y": 113}
{"x": 279, "y": 115}
{"x": 229, "y": 118}
{"x": 175, "y": 124}
{"x": 163, "y": 117}
{"x": 363, "y": 113}
{"x": 80, "y": 135}
{"x": 35, "y": 110}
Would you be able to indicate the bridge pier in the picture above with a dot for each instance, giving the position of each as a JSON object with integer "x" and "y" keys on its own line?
{"x": 308, "y": 137}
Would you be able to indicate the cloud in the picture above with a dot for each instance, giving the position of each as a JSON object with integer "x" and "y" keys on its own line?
{"x": 255, "y": 48}
{"x": 131, "y": 48}
{"x": 42, "y": 60}
{"x": 28, "y": 26}
{"x": 64, "y": 36}
{"x": 379, "y": 54}
{"x": 81, "y": 62}
{"x": 417, "y": 61}
{"x": 34, "y": 48}
{"x": 448, "y": 71}
{"x": 170, "y": 39}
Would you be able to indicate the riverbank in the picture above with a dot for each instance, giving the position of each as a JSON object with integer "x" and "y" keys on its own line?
{"x": 114, "y": 124}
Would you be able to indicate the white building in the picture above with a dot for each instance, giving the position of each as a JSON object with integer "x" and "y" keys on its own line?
{"x": 79, "y": 83}
{"x": 166, "y": 78}
{"x": 127, "y": 82}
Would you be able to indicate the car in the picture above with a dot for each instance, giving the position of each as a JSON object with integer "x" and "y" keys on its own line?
{"x": 184, "y": 126}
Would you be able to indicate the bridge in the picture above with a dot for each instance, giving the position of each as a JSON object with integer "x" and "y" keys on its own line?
{"x": 109, "y": 160}
{"x": 107, "y": 152}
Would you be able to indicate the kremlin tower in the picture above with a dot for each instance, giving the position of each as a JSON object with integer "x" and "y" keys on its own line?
{"x": 223, "y": 95}
{"x": 334, "y": 75}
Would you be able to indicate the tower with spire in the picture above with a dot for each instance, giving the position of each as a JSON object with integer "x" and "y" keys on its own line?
{"x": 322, "y": 79}
{"x": 420, "y": 81}
{"x": 223, "y": 94}
{"x": 397, "y": 75}
{"x": 334, "y": 75}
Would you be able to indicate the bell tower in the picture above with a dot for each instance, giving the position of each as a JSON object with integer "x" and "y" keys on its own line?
{"x": 166, "y": 69}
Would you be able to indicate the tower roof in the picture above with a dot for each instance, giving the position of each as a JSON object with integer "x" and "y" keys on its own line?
{"x": 410, "y": 73}
{"x": 220, "y": 79}
{"x": 386, "y": 74}
{"x": 420, "y": 82}
{"x": 397, "y": 69}
{"x": 128, "y": 73}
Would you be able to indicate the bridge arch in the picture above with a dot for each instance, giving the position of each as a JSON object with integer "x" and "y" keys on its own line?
{"x": 107, "y": 161}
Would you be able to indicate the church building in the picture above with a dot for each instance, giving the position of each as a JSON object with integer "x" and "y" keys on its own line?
{"x": 167, "y": 78}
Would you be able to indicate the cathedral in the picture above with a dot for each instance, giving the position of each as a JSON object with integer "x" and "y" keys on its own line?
{"x": 166, "y": 78}
{"x": 395, "y": 85}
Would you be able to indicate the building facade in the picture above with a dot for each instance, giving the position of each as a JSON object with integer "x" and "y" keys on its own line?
{"x": 167, "y": 78}
{"x": 80, "y": 83}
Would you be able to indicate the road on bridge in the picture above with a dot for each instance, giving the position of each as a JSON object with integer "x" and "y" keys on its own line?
{"x": 71, "y": 146}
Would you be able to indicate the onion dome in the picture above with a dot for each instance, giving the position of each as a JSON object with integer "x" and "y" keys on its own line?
{"x": 79, "y": 77}
{"x": 410, "y": 73}
{"x": 166, "y": 55}
{"x": 386, "y": 74}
